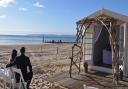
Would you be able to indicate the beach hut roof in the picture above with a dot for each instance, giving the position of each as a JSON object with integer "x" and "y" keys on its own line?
{"x": 107, "y": 13}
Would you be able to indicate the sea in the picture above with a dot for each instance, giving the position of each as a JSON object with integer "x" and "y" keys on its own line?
{"x": 34, "y": 39}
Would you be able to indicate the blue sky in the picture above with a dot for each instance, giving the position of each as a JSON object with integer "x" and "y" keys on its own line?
{"x": 50, "y": 16}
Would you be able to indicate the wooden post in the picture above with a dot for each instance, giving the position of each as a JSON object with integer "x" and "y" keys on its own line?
{"x": 81, "y": 56}
{"x": 42, "y": 43}
{"x": 70, "y": 71}
{"x": 57, "y": 52}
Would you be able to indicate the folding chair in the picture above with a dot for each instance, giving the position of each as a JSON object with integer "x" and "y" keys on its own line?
{"x": 4, "y": 75}
{"x": 22, "y": 83}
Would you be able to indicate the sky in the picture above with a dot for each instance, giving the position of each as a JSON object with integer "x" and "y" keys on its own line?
{"x": 19, "y": 17}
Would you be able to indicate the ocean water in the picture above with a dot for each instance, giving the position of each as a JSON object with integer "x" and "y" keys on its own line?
{"x": 33, "y": 39}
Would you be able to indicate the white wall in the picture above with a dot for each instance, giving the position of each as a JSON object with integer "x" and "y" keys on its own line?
{"x": 88, "y": 45}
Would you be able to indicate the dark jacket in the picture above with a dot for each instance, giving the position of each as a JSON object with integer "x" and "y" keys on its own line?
{"x": 22, "y": 62}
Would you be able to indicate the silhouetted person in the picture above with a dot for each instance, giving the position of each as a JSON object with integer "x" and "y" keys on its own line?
{"x": 22, "y": 62}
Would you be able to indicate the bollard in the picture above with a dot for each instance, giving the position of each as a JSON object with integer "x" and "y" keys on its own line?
{"x": 121, "y": 74}
{"x": 85, "y": 67}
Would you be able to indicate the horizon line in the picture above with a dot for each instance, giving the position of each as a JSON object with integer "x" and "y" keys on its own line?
{"x": 36, "y": 34}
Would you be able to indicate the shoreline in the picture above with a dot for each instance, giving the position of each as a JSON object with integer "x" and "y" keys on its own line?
{"x": 35, "y": 43}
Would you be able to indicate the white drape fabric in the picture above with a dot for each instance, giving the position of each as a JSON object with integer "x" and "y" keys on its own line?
{"x": 97, "y": 32}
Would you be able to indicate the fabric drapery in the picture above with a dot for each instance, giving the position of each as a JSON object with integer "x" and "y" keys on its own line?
{"x": 97, "y": 32}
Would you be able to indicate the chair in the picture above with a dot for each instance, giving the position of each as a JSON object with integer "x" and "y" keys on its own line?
{"x": 22, "y": 83}
{"x": 9, "y": 82}
{"x": 4, "y": 77}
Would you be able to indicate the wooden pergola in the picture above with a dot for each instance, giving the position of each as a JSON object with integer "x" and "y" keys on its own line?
{"x": 82, "y": 26}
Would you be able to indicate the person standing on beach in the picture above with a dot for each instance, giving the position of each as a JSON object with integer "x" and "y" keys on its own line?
{"x": 12, "y": 74}
{"x": 23, "y": 62}
{"x": 13, "y": 56}
{"x": 11, "y": 60}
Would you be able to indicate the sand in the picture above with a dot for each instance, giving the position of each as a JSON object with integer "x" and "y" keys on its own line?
{"x": 47, "y": 60}
{"x": 51, "y": 64}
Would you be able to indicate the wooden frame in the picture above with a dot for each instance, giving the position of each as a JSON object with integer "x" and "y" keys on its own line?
{"x": 108, "y": 22}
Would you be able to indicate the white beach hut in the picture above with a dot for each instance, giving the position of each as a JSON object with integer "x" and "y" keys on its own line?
{"x": 103, "y": 36}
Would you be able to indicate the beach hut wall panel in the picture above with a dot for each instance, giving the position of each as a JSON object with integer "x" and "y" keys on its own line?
{"x": 125, "y": 62}
{"x": 96, "y": 42}
{"x": 88, "y": 45}
{"x": 121, "y": 42}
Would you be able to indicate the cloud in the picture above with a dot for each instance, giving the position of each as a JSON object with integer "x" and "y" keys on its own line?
{"x": 6, "y": 3}
{"x": 23, "y": 9}
{"x": 37, "y": 4}
{"x": 3, "y": 17}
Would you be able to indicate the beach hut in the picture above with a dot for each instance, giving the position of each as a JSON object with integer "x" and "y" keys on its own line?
{"x": 103, "y": 37}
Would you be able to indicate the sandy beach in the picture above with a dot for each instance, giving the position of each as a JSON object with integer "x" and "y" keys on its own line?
{"x": 51, "y": 64}
{"x": 47, "y": 60}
